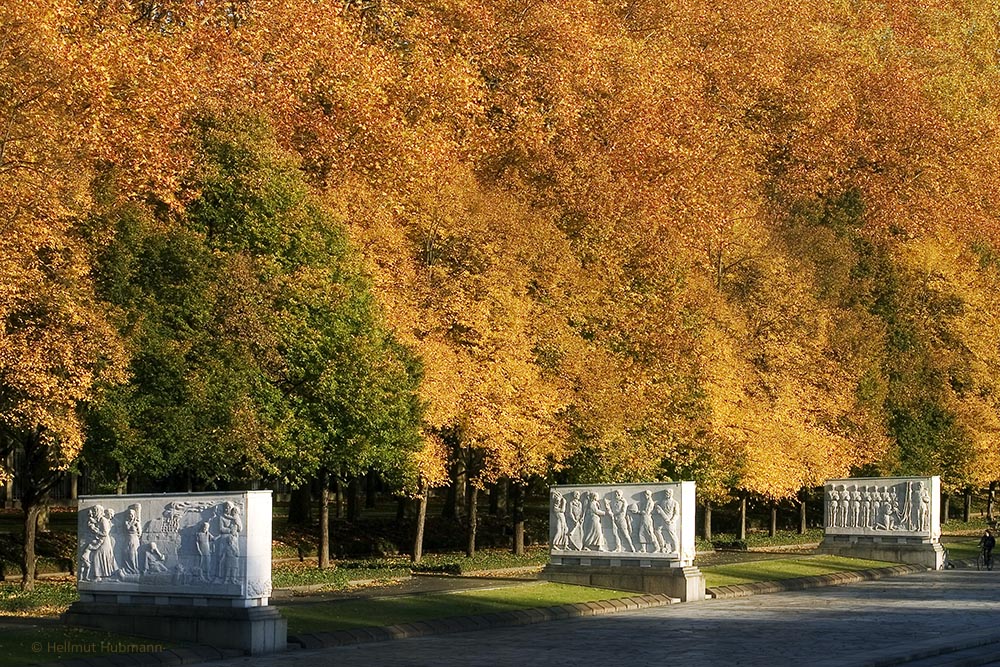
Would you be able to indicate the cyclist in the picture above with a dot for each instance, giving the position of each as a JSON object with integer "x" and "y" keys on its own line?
{"x": 986, "y": 544}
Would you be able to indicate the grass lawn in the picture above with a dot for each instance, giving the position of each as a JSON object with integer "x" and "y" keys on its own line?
{"x": 296, "y": 573}
{"x": 354, "y": 613}
{"x": 49, "y": 598}
{"x": 784, "y": 568}
{"x": 962, "y": 549}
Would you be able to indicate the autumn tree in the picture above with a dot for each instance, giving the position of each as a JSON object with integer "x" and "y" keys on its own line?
{"x": 56, "y": 346}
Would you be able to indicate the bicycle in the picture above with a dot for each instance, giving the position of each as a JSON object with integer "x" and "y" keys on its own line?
{"x": 984, "y": 559}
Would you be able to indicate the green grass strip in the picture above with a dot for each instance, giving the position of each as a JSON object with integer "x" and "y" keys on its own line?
{"x": 784, "y": 568}
{"x": 346, "y": 614}
{"x": 48, "y": 598}
{"x": 962, "y": 549}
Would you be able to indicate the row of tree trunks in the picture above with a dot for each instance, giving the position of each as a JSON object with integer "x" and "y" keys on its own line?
{"x": 706, "y": 525}
{"x": 417, "y": 552}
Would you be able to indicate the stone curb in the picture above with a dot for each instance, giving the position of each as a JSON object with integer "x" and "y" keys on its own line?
{"x": 466, "y": 623}
{"x": 804, "y": 583}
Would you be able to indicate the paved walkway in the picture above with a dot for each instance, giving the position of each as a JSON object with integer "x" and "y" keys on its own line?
{"x": 917, "y": 617}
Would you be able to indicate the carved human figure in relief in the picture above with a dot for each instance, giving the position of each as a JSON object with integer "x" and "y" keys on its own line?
{"x": 133, "y": 529}
{"x": 155, "y": 560}
{"x": 99, "y": 554}
{"x": 574, "y": 521}
{"x": 648, "y": 539}
{"x": 669, "y": 512}
{"x": 228, "y": 542}
{"x": 845, "y": 507}
{"x": 912, "y": 507}
{"x": 561, "y": 538}
{"x": 593, "y": 535}
{"x": 203, "y": 546}
{"x": 925, "y": 507}
{"x": 834, "y": 507}
{"x": 888, "y": 521}
{"x": 876, "y": 508}
{"x": 855, "y": 507}
{"x": 866, "y": 509}
{"x": 618, "y": 508}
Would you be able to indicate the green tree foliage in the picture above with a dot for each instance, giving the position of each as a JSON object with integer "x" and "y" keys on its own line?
{"x": 257, "y": 345}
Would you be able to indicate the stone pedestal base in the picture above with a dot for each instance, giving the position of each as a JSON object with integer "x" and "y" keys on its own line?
{"x": 254, "y": 630}
{"x": 684, "y": 583}
{"x": 912, "y": 551}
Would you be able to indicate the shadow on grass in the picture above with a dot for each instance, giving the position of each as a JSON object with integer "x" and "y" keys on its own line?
{"x": 381, "y": 611}
{"x": 785, "y": 568}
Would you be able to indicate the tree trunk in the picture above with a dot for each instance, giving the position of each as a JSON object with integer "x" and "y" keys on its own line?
{"x": 773, "y": 529}
{"x": 42, "y": 522}
{"x": 448, "y": 511}
{"x": 945, "y": 507}
{"x": 28, "y": 553}
{"x": 473, "y": 514}
{"x": 418, "y": 539}
{"x": 706, "y": 526}
{"x": 38, "y": 479}
{"x": 802, "y": 515}
{"x": 518, "y": 496}
{"x": 371, "y": 490}
{"x": 455, "y": 500}
{"x": 495, "y": 499}
{"x": 74, "y": 486}
{"x": 300, "y": 506}
{"x": 743, "y": 518}
{"x": 324, "y": 520}
{"x": 338, "y": 498}
{"x": 503, "y": 493}
{"x": 990, "y": 498}
{"x": 353, "y": 500}
{"x": 967, "y": 505}
{"x": 8, "y": 486}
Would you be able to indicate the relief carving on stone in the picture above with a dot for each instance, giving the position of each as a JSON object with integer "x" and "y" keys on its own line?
{"x": 611, "y": 521}
{"x": 878, "y": 505}
{"x": 190, "y": 543}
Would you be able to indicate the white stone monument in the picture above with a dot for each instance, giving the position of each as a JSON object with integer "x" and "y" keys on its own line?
{"x": 884, "y": 518}
{"x": 187, "y": 567}
{"x": 629, "y": 536}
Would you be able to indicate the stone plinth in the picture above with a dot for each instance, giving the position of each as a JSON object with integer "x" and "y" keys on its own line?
{"x": 181, "y": 567}
{"x": 684, "y": 583}
{"x": 912, "y": 551}
{"x": 255, "y": 630}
